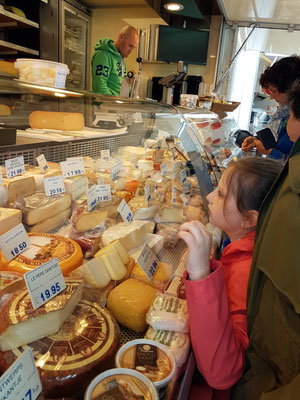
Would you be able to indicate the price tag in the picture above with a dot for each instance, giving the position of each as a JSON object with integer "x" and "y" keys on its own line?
{"x": 54, "y": 185}
{"x": 42, "y": 163}
{"x": 44, "y": 282}
{"x": 125, "y": 211}
{"x": 100, "y": 181}
{"x": 174, "y": 190}
{"x": 14, "y": 242}
{"x": 148, "y": 262}
{"x": 183, "y": 176}
{"x": 147, "y": 194}
{"x": 72, "y": 167}
{"x": 184, "y": 199}
{"x": 171, "y": 145}
{"x": 14, "y": 166}
{"x": 116, "y": 169}
{"x": 1, "y": 178}
{"x": 92, "y": 197}
{"x": 21, "y": 381}
{"x": 75, "y": 159}
{"x": 103, "y": 193}
{"x": 105, "y": 155}
{"x": 163, "y": 169}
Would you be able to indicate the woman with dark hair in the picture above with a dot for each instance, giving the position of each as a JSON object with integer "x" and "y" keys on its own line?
{"x": 277, "y": 80}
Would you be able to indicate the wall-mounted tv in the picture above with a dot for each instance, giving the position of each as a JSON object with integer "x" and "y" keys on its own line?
{"x": 179, "y": 44}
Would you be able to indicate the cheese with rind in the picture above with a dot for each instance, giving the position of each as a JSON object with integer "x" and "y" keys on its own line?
{"x": 76, "y": 186}
{"x": 51, "y": 223}
{"x": 19, "y": 186}
{"x": 56, "y": 120}
{"x": 118, "y": 247}
{"x": 9, "y": 218}
{"x": 160, "y": 279}
{"x": 114, "y": 265}
{"x": 95, "y": 273}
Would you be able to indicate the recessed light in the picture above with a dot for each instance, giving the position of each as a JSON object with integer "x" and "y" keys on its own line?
{"x": 173, "y": 7}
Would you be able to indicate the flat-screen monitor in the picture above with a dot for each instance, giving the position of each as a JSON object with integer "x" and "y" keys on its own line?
{"x": 179, "y": 44}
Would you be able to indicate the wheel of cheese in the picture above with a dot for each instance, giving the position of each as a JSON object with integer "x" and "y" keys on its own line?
{"x": 68, "y": 360}
{"x": 44, "y": 247}
{"x": 56, "y": 120}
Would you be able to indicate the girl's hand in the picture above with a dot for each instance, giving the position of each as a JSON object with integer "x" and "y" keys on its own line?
{"x": 248, "y": 144}
{"x": 198, "y": 240}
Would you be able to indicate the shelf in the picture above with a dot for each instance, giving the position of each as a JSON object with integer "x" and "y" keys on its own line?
{"x": 11, "y": 48}
{"x": 11, "y": 20}
{"x": 73, "y": 34}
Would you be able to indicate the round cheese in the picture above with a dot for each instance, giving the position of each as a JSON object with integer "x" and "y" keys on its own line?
{"x": 44, "y": 247}
{"x": 68, "y": 360}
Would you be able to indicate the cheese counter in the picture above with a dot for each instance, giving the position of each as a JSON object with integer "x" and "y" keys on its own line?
{"x": 92, "y": 196}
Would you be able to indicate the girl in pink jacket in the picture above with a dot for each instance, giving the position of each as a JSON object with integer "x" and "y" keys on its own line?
{"x": 216, "y": 291}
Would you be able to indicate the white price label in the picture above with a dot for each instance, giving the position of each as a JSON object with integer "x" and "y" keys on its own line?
{"x": 163, "y": 169}
{"x": 75, "y": 159}
{"x": 42, "y": 163}
{"x": 72, "y": 167}
{"x": 184, "y": 199}
{"x": 116, "y": 169}
{"x": 54, "y": 185}
{"x": 92, "y": 197}
{"x": 103, "y": 193}
{"x": 174, "y": 190}
{"x": 21, "y": 381}
{"x": 44, "y": 282}
{"x": 14, "y": 166}
{"x": 183, "y": 176}
{"x": 125, "y": 211}
{"x": 1, "y": 178}
{"x": 147, "y": 194}
{"x": 14, "y": 242}
{"x": 148, "y": 261}
{"x": 105, "y": 155}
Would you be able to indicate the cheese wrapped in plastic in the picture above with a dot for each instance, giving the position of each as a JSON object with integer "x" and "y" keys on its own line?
{"x": 169, "y": 232}
{"x": 178, "y": 343}
{"x": 129, "y": 303}
{"x": 172, "y": 213}
{"x": 168, "y": 313}
{"x": 160, "y": 279}
{"x": 141, "y": 209}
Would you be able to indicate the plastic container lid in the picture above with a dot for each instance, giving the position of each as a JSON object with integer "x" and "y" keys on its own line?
{"x": 151, "y": 358}
{"x": 121, "y": 383}
{"x": 38, "y": 61}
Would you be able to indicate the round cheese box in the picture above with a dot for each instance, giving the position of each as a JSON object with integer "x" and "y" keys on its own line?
{"x": 68, "y": 360}
{"x": 44, "y": 247}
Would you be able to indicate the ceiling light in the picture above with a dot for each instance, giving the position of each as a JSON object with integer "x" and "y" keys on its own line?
{"x": 173, "y": 7}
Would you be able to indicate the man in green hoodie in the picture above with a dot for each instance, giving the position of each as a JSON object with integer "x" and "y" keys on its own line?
{"x": 108, "y": 66}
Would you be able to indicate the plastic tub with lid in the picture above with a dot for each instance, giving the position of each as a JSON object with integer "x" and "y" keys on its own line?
{"x": 42, "y": 72}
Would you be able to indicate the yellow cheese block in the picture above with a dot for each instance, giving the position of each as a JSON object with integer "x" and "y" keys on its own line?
{"x": 118, "y": 247}
{"x": 56, "y": 120}
{"x": 129, "y": 303}
{"x": 160, "y": 279}
{"x": 114, "y": 265}
{"x": 19, "y": 186}
{"x": 44, "y": 247}
{"x": 9, "y": 218}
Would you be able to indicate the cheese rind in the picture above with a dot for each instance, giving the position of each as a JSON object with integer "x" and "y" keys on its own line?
{"x": 51, "y": 223}
{"x": 9, "y": 218}
{"x": 20, "y": 324}
{"x": 129, "y": 303}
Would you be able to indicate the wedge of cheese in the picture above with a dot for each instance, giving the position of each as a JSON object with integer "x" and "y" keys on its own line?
{"x": 95, "y": 273}
{"x": 88, "y": 220}
{"x": 115, "y": 246}
{"x": 56, "y": 120}
{"x": 160, "y": 279}
{"x": 155, "y": 242}
{"x": 21, "y": 324}
{"x": 9, "y": 218}
{"x": 19, "y": 186}
{"x": 39, "y": 207}
{"x": 130, "y": 236}
{"x": 129, "y": 303}
{"x": 76, "y": 186}
{"x": 114, "y": 265}
{"x": 51, "y": 223}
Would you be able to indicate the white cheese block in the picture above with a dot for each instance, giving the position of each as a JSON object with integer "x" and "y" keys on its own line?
{"x": 20, "y": 324}
{"x": 114, "y": 265}
{"x": 172, "y": 214}
{"x": 145, "y": 164}
{"x": 131, "y": 235}
{"x": 9, "y": 218}
{"x": 76, "y": 186}
{"x": 51, "y": 223}
{"x": 3, "y": 195}
{"x": 38, "y": 207}
{"x": 95, "y": 273}
{"x": 115, "y": 246}
{"x": 19, "y": 186}
{"x": 155, "y": 242}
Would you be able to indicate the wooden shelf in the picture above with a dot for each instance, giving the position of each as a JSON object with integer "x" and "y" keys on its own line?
{"x": 7, "y": 48}
{"x": 13, "y": 21}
